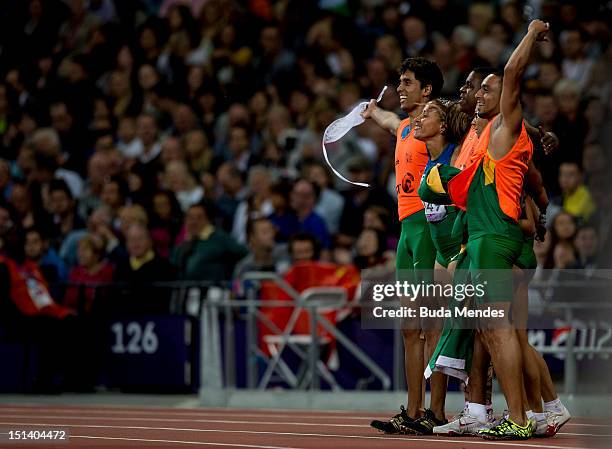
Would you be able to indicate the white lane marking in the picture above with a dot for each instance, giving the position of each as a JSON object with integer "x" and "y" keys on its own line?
{"x": 318, "y": 435}
{"x": 183, "y": 442}
{"x": 127, "y": 408}
{"x": 174, "y": 413}
{"x": 203, "y": 421}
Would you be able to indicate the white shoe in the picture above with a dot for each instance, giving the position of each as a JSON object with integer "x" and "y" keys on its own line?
{"x": 556, "y": 420}
{"x": 463, "y": 424}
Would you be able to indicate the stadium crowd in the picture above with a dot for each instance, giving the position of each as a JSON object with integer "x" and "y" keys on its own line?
{"x": 168, "y": 140}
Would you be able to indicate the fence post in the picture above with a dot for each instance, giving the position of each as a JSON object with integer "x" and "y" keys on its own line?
{"x": 314, "y": 349}
{"x": 229, "y": 347}
{"x": 251, "y": 339}
{"x": 569, "y": 381}
{"x": 211, "y": 378}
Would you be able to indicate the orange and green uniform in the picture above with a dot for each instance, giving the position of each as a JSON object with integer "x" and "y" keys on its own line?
{"x": 415, "y": 249}
{"x": 490, "y": 192}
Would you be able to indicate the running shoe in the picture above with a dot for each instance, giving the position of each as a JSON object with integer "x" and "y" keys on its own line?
{"x": 425, "y": 424}
{"x": 396, "y": 425}
{"x": 556, "y": 420}
{"x": 508, "y": 430}
{"x": 463, "y": 424}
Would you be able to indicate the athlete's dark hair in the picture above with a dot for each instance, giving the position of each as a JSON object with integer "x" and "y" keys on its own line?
{"x": 457, "y": 122}
{"x": 486, "y": 71}
{"x": 426, "y": 72}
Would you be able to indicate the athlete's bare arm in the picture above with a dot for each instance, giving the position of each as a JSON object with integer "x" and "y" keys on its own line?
{"x": 385, "y": 119}
{"x": 528, "y": 224}
{"x": 535, "y": 186}
{"x": 508, "y": 128}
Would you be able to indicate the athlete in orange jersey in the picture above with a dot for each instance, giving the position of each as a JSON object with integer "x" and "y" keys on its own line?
{"x": 420, "y": 81}
{"x": 493, "y": 209}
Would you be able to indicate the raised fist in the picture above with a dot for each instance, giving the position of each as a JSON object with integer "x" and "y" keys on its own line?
{"x": 539, "y": 28}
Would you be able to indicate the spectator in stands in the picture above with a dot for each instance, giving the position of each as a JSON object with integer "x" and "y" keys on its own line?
{"x": 114, "y": 194}
{"x": 24, "y": 205}
{"x": 563, "y": 228}
{"x": 282, "y": 218}
{"x": 575, "y": 196}
{"x": 357, "y": 200}
{"x": 275, "y": 62}
{"x": 143, "y": 267}
{"x": 184, "y": 120}
{"x": 73, "y": 138}
{"x": 207, "y": 253}
{"x": 548, "y": 75}
{"x": 586, "y": 244}
{"x": 47, "y": 153}
{"x": 576, "y": 64}
{"x": 239, "y": 146}
{"x": 92, "y": 268}
{"x": 165, "y": 222}
{"x": 197, "y": 151}
{"x": 231, "y": 181}
{"x": 304, "y": 247}
{"x": 415, "y": 37}
{"x": 257, "y": 205}
{"x": 370, "y": 249}
{"x": 171, "y": 150}
{"x": 181, "y": 182}
{"x": 330, "y": 203}
{"x": 303, "y": 199}
{"x": 265, "y": 254}
{"x": 127, "y": 141}
{"x": 62, "y": 206}
{"x": 564, "y": 255}
{"x": 99, "y": 223}
{"x": 100, "y": 167}
{"x": 572, "y": 127}
{"x": 149, "y": 150}
{"x": 38, "y": 250}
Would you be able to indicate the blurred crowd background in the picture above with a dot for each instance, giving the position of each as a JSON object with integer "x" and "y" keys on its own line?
{"x": 173, "y": 140}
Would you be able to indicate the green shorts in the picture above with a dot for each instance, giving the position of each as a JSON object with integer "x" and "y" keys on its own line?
{"x": 416, "y": 252}
{"x": 447, "y": 245}
{"x": 491, "y": 260}
{"x": 527, "y": 259}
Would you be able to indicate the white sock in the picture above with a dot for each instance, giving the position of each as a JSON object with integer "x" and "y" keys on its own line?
{"x": 554, "y": 406}
{"x": 540, "y": 416}
{"x": 529, "y": 414}
{"x": 478, "y": 410}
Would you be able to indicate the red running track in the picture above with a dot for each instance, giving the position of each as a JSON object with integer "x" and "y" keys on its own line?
{"x": 138, "y": 427}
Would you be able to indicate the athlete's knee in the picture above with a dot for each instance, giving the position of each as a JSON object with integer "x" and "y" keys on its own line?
{"x": 497, "y": 339}
{"x": 411, "y": 335}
